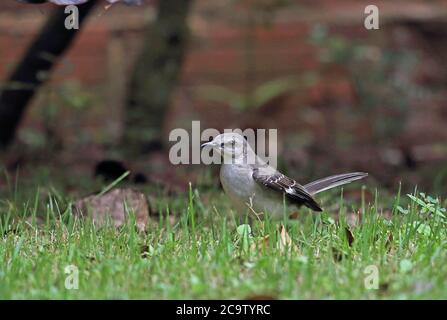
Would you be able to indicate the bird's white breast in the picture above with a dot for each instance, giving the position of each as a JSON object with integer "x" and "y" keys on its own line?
{"x": 238, "y": 184}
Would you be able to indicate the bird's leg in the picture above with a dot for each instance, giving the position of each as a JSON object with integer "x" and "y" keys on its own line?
{"x": 250, "y": 206}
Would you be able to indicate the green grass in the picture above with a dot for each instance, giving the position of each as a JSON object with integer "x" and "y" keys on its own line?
{"x": 201, "y": 251}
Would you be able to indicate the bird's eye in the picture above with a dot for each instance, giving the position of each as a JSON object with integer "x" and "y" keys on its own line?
{"x": 222, "y": 145}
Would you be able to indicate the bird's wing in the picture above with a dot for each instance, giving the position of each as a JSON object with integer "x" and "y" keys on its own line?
{"x": 279, "y": 182}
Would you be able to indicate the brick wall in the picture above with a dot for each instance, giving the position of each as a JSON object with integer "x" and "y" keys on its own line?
{"x": 218, "y": 52}
{"x": 227, "y": 51}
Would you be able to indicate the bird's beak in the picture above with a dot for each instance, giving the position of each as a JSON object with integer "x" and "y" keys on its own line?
{"x": 207, "y": 144}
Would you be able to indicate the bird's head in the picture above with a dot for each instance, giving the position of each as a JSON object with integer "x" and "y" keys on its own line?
{"x": 229, "y": 145}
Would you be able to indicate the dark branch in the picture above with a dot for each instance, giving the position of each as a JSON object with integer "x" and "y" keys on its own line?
{"x": 52, "y": 41}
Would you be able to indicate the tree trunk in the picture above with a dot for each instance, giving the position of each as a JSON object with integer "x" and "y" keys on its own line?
{"x": 34, "y": 69}
{"x": 155, "y": 74}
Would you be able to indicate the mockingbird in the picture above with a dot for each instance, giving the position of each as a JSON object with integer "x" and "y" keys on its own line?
{"x": 251, "y": 183}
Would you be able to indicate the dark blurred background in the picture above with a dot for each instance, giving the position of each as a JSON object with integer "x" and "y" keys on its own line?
{"x": 343, "y": 98}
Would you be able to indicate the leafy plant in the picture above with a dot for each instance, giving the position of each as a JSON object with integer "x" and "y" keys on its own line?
{"x": 429, "y": 209}
{"x": 379, "y": 76}
{"x": 259, "y": 97}
{"x": 58, "y": 99}
{"x": 429, "y": 205}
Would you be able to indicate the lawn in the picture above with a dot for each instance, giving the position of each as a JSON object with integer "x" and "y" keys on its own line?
{"x": 197, "y": 248}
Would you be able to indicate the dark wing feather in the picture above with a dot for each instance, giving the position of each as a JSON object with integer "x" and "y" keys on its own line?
{"x": 292, "y": 189}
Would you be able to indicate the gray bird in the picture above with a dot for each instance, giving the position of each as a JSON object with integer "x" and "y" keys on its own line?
{"x": 251, "y": 183}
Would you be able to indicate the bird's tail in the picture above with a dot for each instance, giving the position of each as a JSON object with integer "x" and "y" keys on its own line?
{"x": 333, "y": 181}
